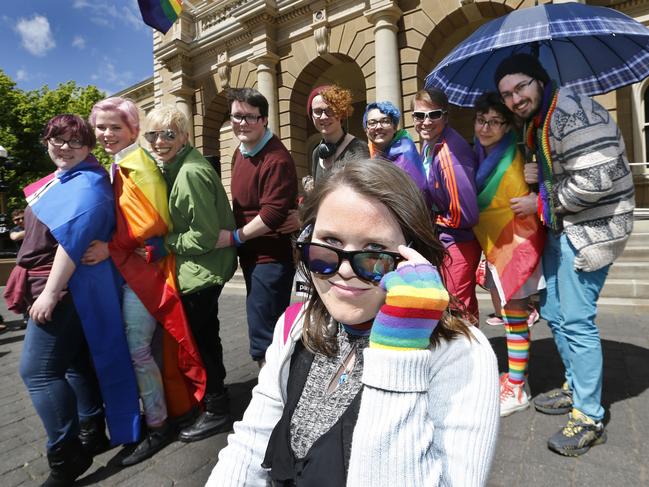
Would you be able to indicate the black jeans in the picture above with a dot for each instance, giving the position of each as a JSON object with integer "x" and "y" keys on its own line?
{"x": 202, "y": 308}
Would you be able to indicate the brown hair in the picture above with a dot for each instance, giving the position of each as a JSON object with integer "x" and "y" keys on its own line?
{"x": 339, "y": 100}
{"x": 432, "y": 96}
{"x": 384, "y": 182}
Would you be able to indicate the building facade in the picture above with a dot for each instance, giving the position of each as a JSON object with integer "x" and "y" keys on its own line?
{"x": 379, "y": 49}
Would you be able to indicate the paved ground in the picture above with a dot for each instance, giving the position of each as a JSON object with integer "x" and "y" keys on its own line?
{"x": 522, "y": 458}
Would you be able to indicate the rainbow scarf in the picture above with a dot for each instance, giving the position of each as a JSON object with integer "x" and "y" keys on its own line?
{"x": 539, "y": 141}
{"x": 142, "y": 212}
{"x": 512, "y": 245}
{"x": 160, "y": 14}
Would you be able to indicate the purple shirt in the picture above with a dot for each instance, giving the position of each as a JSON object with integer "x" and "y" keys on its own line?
{"x": 451, "y": 183}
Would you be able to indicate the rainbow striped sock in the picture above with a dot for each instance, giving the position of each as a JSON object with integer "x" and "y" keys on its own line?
{"x": 518, "y": 343}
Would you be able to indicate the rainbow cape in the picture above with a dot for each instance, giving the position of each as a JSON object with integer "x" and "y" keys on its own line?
{"x": 142, "y": 212}
{"x": 160, "y": 14}
{"x": 77, "y": 208}
{"x": 512, "y": 245}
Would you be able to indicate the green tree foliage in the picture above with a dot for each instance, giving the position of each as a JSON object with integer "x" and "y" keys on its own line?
{"x": 23, "y": 115}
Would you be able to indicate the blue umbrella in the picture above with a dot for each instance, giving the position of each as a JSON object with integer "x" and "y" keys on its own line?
{"x": 592, "y": 50}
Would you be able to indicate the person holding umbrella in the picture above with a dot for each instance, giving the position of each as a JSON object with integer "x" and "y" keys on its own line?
{"x": 586, "y": 201}
{"x": 450, "y": 166}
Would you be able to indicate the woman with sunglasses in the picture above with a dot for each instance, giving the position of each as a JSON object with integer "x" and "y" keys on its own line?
{"x": 450, "y": 167}
{"x": 511, "y": 237}
{"x": 199, "y": 210}
{"x": 381, "y": 121}
{"x": 150, "y": 294}
{"x": 373, "y": 383}
{"x": 75, "y": 326}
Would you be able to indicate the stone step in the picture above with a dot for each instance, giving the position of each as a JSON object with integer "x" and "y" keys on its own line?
{"x": 626, "y": 288}
{"x": 622, "y": 269}
{"x": 638, "y": 239}
{"x": 634, "y": 253}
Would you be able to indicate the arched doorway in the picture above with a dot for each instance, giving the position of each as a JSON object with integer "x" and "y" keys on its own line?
{"x": 336, "y": 69}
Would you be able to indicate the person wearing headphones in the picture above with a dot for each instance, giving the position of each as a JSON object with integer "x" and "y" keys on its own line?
{"x": 329, "y": 106}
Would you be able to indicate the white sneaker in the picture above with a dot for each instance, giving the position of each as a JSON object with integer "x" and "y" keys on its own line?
{"x": 512, "y": 398}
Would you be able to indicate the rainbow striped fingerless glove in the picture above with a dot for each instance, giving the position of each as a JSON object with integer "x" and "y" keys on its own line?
{"x": 415, "y": 301}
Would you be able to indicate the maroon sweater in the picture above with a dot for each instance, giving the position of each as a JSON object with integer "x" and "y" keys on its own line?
{"x": 265, "y": 185}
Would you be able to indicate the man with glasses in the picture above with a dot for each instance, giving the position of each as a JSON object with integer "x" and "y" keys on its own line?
{"x": 264, "y": 190}
{"x": 450, "y": 167}
{"x": 586, "y": 201}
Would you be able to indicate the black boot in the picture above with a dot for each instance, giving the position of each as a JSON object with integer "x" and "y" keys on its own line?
{"x": 154, "y": 441}
{"x": 215, "y": 419}
{"x": 67, "y": 462}
{"x": 92, "y": 434}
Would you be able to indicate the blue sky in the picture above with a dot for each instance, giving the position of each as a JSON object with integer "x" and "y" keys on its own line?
{"x": 103, "y": 43}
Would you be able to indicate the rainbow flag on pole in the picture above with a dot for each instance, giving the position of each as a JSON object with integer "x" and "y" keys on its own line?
{"x": 160, "y": 14}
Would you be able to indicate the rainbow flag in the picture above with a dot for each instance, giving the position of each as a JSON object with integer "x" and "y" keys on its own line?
{"x": 160, "y": 14}
{"x": 142, "y": 212}
{"x": 512, "y": 245}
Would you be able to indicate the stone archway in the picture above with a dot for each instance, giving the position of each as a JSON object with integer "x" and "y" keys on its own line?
{"x": 334, "y": 69}
{"x": 212, "y": 130}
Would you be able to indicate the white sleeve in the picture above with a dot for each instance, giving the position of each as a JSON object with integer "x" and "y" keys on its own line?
{"x": 428, "y": 417}
{"x": 239, "y": 463}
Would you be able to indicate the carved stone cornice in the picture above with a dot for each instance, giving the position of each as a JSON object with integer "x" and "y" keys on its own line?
{"x": 174, "y": 55}
{"x": 222, "y": 14}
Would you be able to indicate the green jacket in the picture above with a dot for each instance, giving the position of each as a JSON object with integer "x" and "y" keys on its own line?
{"x": 199, "y": 209}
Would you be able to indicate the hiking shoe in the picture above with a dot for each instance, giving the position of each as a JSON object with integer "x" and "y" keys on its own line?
{"x": 512, "y": 397}
{"x": 578, "y": 435}
{"x": 556, "y": 401}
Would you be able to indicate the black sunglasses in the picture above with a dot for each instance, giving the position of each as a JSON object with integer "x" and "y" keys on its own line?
{"x": 369, "y": 265}
{"x": 432, "y": 115}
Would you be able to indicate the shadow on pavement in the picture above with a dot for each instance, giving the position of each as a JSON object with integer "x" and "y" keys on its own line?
{"x": 240, "y": 394}
{"x": 625, "y": 368}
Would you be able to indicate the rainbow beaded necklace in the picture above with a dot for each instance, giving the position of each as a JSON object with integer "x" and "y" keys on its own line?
{"x": 536, "y": 139}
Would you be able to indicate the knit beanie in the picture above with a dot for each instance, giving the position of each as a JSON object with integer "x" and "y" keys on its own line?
{"x": 315, "y": 92}
{"x": 521, "y": 63}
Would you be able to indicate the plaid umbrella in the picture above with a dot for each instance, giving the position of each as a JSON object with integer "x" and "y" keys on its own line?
{"x": 592, "y": 50}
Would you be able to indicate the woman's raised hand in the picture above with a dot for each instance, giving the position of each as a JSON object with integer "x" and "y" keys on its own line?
{"x": 414, "y": 303}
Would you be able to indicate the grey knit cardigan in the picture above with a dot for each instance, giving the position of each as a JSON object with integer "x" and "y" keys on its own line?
{"x": 592, "y": 192}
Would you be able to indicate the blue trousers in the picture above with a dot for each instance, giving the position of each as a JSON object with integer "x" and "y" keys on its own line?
{"x": 55, "y": 366}
{"x": 569, "y": 304}
{"x": 268, "y": 294}
{"x": 140, "y": 327}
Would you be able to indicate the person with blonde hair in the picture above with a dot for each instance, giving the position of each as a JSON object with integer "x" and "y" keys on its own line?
{"x": 199, "y": 210}
{"x": 370, "y": 382}
{"x": 150, "y": 294}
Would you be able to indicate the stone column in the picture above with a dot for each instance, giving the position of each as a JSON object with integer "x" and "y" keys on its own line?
{"x": 184, "y": 104}
{"x": 386, "y": 52}
{"x": 267, "y": 86}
